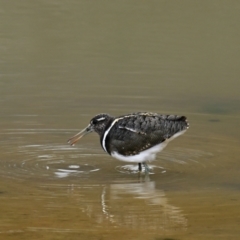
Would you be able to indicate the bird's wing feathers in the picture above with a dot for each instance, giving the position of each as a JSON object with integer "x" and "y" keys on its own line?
{"x": 137, "y": 132}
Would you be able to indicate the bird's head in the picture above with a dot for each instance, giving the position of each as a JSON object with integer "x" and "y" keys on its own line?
{"x": 97, "y": 124}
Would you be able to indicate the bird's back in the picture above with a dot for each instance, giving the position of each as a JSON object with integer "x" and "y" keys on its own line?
{"x": 131, "y": 134}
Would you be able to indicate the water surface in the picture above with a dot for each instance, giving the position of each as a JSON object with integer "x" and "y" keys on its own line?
{"x": 63, "y": 62}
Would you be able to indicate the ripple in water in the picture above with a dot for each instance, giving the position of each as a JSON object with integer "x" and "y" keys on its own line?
{"x": 43, "y": 160}
{"x": 133, "y": 169}
{"x": 20, "y": 159}
{"x": 61, "y": 161}
{"x": 62, "y": 171}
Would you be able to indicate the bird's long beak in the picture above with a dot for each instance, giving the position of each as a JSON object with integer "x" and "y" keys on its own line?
{"x": 79, "y": 135}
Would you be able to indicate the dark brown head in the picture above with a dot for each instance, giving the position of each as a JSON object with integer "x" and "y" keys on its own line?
{"x": 97, "y": 124}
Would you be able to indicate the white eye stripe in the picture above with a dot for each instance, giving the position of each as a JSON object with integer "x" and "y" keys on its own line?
{"x": 97, "y": 120}
{"x": 100, "y": 119}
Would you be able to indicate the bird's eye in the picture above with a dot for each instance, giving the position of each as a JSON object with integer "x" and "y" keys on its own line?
{"x": 94, "y": 121}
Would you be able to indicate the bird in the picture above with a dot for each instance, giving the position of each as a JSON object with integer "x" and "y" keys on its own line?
{"x": 135, "y": 137}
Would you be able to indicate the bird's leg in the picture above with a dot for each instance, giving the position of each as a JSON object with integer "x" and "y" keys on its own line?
{"x": 139, "y": 167}
{"x": 146, "y": 167}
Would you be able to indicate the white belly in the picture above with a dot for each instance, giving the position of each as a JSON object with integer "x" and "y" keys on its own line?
{"x": 147, "y": 155}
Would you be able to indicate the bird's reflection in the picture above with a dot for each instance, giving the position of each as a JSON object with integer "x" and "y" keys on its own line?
{"x": 136, "y": 205}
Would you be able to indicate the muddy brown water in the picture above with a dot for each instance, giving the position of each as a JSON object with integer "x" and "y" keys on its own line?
{"x": 63, "y": 62}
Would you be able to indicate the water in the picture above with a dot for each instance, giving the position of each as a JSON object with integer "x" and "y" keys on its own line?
{"x": 62, "y": 63}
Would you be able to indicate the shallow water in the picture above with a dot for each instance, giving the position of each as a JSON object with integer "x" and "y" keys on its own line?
{"x": 63, "y": 62}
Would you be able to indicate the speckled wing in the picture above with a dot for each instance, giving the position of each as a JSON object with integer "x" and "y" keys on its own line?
{"x": 134, "y": 133}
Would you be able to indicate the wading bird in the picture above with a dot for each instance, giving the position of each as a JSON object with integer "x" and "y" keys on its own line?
{"x": 135, "y": 137}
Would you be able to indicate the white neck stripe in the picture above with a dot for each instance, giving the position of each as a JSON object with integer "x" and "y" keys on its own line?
{"x": 106, "y": 132}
